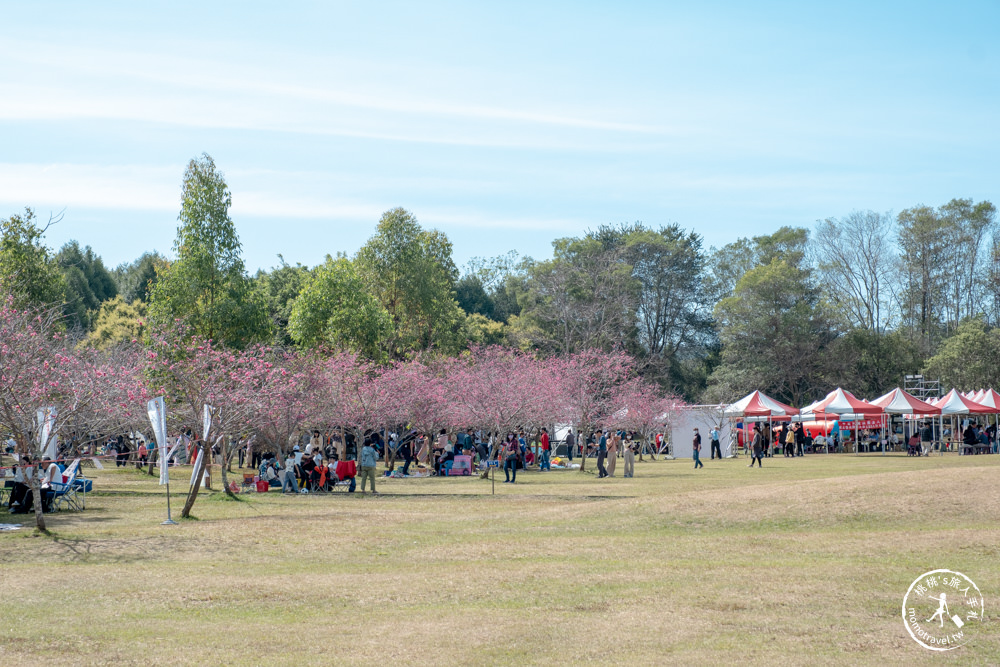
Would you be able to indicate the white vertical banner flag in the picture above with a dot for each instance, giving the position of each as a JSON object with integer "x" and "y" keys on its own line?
{"x": 206, "y": 421}
{"x": 197, "y": 462}
{"x": 46, "y": 438}
{"x": 157, "y": 411}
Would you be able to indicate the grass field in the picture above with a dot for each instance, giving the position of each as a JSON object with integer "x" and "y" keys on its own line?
{"x": 805, "y": 561}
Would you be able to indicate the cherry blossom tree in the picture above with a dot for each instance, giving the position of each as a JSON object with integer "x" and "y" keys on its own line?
{"x": 588, "y": 383}
{"x": 193, "y": 372}
{"x": 285, "y": 390}
{"x": 38, "y": 369}
{"x": 642, "y": 409}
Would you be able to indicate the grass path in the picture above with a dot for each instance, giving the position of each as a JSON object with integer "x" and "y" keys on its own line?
{"x": 802, "y": 562}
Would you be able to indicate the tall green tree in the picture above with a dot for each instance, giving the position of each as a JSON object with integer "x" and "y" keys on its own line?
{"x": 207, "y": 286}
{"x": 774, "y": 334}
{"x": 968, "y": 359}
{"x": 410, "y": 271}
{"x": 135, "y": 280}
{"x": 870, "y": 363}
{"x": 28, "y": 272}
{"x": 88, "y": 283}
{"x": 583, "y": 298}
{"x": 335, "y": 309}
{"x": 280, "y": 287}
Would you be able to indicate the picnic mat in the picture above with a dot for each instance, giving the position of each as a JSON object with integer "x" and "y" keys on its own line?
{"x": 9, "y": 526}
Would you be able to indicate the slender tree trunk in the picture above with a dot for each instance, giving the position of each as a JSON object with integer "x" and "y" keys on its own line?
{"x": 36, "y": 492}
{"x": 227, "y": 461}
{"x": 583, "y": 451}
{"x": 153, "y": 455}
{"x": 193, "y": 492}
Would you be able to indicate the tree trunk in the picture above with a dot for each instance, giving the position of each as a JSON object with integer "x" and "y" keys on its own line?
{"x": 583, "y": 450}
{"x": 36, "y": 492}
{"x": 227, "y": 461}
{"x": 193, "y": 492}
{"x": 153, "y": 455}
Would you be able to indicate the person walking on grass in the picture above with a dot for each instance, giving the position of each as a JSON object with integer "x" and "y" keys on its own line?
{"x": 369, "y": 457}
{"x": 696, "y": 450}
{"x": 789, "y": 449}
{"x": 757, "y": 447}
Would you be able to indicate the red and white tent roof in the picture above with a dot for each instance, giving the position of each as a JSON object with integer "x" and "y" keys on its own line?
{"x": 899, "y": 402}
{"x": 757, "y": 404}
{"x": 840, "y": 402}
{"x": 989, "y": 398}
{"x": 953, "y": 403}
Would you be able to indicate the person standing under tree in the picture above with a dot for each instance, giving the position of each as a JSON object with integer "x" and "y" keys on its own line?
{"x": 630, "y": 459}
{"x": 613, "y": 446}
{"x": 544, "y": 456}
{"x": 369, "y": 457}
{"x": 510, "y": 450}
{"x": 696, "y": 450}
{"x": 716, "y": 447}
{"x": 570, "y": 444}
{"x": 602, "y": 454}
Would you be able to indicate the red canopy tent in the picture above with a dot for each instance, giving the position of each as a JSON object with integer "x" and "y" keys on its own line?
{"x": 899, "y": 402}
{"x": 758, "y": 404}
{"x": 841, "y": 402}
{"x": 953, "y": 403}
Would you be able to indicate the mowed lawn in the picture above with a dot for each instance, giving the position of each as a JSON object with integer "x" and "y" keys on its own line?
{"x": 805, "y": 561}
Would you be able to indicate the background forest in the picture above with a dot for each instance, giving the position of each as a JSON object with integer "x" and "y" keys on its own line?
{"x": 856, "y": 301}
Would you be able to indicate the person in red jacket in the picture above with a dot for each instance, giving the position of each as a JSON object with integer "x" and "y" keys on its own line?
{"x": 544, "y": 458}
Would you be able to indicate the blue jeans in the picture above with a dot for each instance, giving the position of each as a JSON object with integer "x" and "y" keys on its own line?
{"x": 697, "y": 461}
{"x": 289, "y": 482}
{"x": 510, "y": 469}
{"x": 544, "y": 463}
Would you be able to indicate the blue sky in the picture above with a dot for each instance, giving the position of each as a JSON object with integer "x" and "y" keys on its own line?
{"x": 504, "y": 124}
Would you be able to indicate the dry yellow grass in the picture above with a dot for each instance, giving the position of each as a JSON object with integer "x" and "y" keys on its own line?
{"x": 803, "y": 562}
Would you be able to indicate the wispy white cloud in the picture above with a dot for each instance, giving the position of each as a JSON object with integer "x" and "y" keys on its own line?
{"x": 66, "y": 82}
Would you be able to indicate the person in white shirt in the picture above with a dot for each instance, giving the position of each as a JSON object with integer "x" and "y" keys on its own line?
{"x": 21, "y": 497}
{"x": 53, "y": 475}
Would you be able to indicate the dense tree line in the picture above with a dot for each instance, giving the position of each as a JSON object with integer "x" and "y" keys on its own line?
{"x": 857, "y": 301}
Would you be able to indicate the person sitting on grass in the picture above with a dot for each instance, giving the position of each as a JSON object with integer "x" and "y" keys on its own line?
{"x": 271, "y": 472}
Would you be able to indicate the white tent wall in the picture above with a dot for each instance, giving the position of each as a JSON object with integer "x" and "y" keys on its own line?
{"x": 705, "y": 418}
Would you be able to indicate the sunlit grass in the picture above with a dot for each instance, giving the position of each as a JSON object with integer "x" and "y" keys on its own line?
{"x": 802, "y": 562}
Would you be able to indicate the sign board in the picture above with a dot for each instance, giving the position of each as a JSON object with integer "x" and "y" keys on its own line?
{"x": 492, "y": 464}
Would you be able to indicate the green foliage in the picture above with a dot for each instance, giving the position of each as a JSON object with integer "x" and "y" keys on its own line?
{"x": 88, "y": 283}
{"x": 969, "y": 359}
{"x": 480, "y": 330}
{"x": 731, "y": 262}
{"x": 472, "y": 296}
{"x": 409, "y": 270}
{"x": 136, "y": 280}
{"x": 117, "y": 322}
{"x": 870, "y": 362}
{"x": 280, "y": 286}
{"x": 207, "y": 287}
{"x": 334, "y": 309}
{"x": 27, "y": 272}
{"x": 773, "y": 333}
